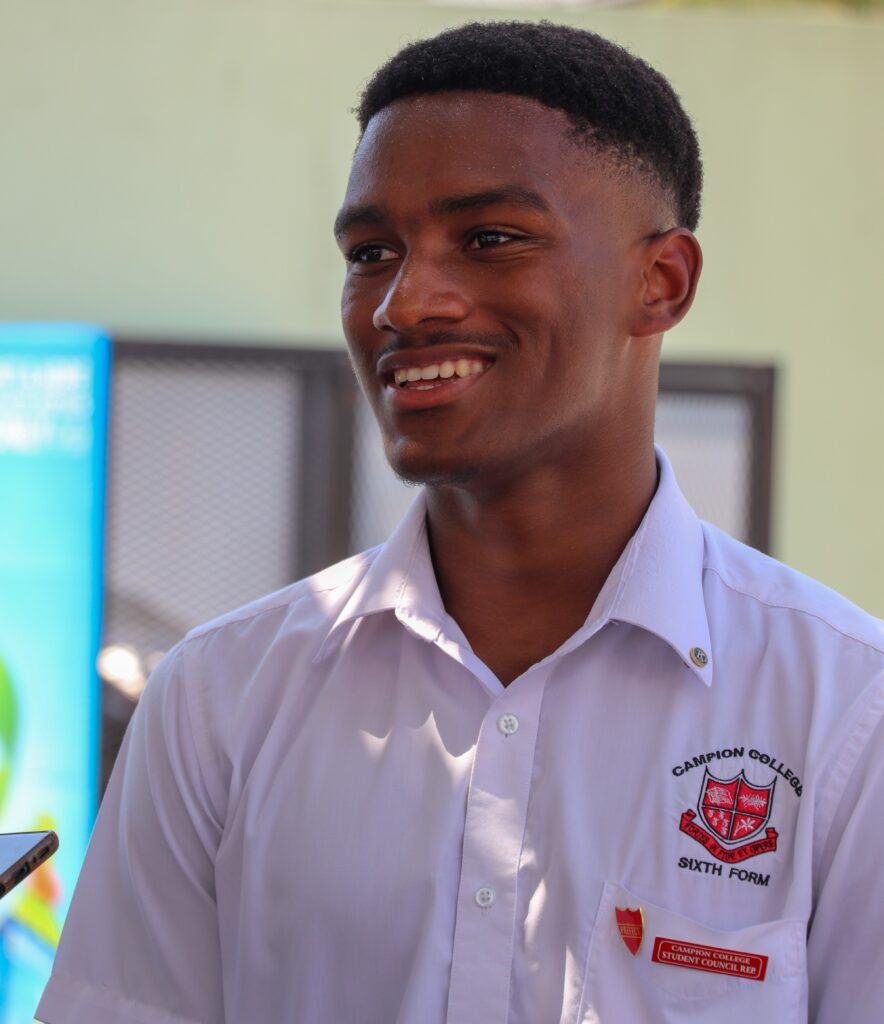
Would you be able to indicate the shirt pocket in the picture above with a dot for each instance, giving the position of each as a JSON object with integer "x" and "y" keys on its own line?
{"x": 622, "y": 988}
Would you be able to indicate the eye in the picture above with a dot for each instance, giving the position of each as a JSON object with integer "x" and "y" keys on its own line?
{"x": 490, "y": 239}
{"x": 370, "y": 254}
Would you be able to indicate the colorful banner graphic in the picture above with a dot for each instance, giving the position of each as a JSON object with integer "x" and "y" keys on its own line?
{"x": 53, "y": 421}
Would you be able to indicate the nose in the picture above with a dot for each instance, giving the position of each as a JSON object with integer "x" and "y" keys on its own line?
{"x": 420, "y": 292}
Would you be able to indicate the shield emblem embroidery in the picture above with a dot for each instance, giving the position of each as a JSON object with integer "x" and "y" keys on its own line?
{"x": 734, "y": 810}
{"x": 631, "y": 925}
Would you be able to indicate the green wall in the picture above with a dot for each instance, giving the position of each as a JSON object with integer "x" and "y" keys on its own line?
{"x": 173, "y": 169}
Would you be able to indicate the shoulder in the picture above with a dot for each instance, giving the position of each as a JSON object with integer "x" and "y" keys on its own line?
{"x": 308, "y": 608}
{"x": 817, "y": 658}
{"x": 223, "y": 687}
{"x": 781, "y": 595}
{"x": 250, "y": 655}
{"x": 810, "y": 660}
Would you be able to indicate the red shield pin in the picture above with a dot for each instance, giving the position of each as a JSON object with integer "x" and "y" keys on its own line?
{"x": 631, "y": 924}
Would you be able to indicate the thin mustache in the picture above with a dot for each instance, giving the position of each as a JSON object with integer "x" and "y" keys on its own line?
{"x": 403, "y": 342}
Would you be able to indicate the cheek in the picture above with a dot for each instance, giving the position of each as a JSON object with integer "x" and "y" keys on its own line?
{"x": 359, "y": 331}
{"x": 353, "y": 310}
{"x": 567, "y": 298}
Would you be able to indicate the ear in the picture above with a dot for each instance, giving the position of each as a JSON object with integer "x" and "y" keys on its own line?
{"x": 671, "y": 265}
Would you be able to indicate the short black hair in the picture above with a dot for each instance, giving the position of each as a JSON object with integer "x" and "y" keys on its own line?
{"x": 615, "y": 101}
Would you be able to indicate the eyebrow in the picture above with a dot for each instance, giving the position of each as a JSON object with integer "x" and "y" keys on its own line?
{"x": 351, "y": 216}
{"x": 504, "y": 195}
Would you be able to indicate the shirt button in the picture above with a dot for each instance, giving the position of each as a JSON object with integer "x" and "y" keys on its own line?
{"x": 484, "y": 897}
{"x": 508, "y": 724}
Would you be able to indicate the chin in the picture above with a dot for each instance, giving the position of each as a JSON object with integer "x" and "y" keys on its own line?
{"x": 413, "y": 464}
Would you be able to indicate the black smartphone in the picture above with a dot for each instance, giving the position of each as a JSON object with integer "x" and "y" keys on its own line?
{"x": 20, "y": 853}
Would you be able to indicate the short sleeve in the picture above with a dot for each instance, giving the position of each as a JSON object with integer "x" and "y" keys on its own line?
{"x": 846, "y": 940}
{"x": 141, "y": 943}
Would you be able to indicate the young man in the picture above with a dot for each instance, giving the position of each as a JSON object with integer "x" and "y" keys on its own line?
{"x": 557, "y": 751}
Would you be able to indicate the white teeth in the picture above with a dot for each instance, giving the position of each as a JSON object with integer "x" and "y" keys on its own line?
{"x": 445, "y": 370}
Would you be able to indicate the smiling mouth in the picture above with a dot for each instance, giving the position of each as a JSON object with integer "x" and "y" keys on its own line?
{"x": 435, "y": 375}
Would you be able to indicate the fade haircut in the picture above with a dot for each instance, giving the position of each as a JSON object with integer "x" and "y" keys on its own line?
{"x": 617, "y": 104}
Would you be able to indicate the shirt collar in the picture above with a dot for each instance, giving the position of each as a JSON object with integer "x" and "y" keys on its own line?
{"x": 399, "y": 579}
{"x": 661, "y": 587}
{"x": 656, "y": 585}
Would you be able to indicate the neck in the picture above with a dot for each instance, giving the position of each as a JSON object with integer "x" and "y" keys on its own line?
{"x": 519, "y": 566}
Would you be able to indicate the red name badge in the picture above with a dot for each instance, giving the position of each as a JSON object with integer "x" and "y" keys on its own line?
{"x": 713, "y": 959}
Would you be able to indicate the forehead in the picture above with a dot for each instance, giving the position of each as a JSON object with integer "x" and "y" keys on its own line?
{"x": 449, "y": 142}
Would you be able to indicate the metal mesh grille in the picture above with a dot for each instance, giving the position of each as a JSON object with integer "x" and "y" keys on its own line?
{"x": 708, "y": 439}
{"x": 379, "y": 498}
{"x": 202, "y": 484}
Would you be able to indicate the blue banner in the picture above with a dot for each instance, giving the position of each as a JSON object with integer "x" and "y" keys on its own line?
{"x": 53, "y": 426}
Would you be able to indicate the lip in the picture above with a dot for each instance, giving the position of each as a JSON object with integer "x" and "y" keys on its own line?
{"x": 407, "y": 398}
{"x": 403, "y": 399}
{"x": 426, "y": 356}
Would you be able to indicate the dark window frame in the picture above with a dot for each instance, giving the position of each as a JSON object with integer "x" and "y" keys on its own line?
{"x": 324, "y": 528}
{"x": 757, "y": 385}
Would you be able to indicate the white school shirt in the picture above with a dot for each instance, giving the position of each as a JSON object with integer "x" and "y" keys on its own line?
{"x": 327, "y": 809}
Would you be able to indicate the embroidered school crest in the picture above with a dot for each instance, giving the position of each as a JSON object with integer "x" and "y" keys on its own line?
{"x": 732, "y": 814}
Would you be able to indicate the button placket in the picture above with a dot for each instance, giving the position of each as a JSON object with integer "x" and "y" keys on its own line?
{"x": 497, "y": 806}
